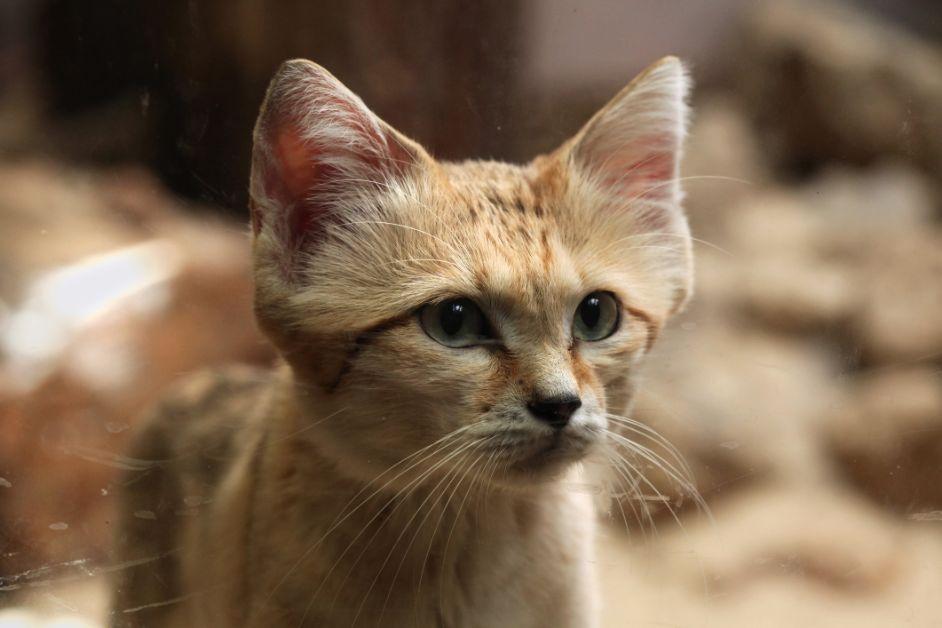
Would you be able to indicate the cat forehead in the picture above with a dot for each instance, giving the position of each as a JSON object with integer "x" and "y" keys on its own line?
{"x": 497, "y": 219}
{"x": 494, "y": 189}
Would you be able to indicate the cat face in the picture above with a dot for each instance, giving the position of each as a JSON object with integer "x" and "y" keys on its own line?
{"x": 477, "y": 315}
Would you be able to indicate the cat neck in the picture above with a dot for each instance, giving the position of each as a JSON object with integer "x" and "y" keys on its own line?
{"x": 394, "y": 546}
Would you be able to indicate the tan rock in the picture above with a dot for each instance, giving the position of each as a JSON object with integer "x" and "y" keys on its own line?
{"x": 737, "y": 404}
{"x": 777, "y": 555}
{"x": 887, "y": 437}
{"x": 78, "y": 365}
{"x": 797, "y": 294}
{"x": 828, "y": 82}
{"x": 773, "y": 221}
{"x": 901, "y": 314}
{"x": 869, "y": 202}
{"x": 723, "y": 162}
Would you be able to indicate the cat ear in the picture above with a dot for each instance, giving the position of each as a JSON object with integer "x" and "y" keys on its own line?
{"x": 315, "y": 144}
{"x": 632, "y": 147}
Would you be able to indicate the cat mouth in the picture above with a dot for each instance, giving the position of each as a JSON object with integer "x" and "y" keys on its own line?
{"x": 547, "y": 454}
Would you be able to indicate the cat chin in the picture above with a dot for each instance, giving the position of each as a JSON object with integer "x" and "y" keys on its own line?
{"x": 544, "y": 461}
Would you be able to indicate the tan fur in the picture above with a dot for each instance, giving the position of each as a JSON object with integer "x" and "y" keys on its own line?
{"x": 380, "y": 478}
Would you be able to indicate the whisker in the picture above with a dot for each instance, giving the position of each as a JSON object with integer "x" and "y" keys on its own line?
{"x": 396, "y": 224}
{"x": 478, "y": 476}
{"x": 309, "y": 426}
{"x": 677, "y": 180}
{"x": 661, "y": 464}
{"x": 685, "y": 481}
{"x": 698, "y": 498}
{"x": 665, "y": 234}
{"x": 424, "y": 259}
{"x": 630, "y": 476}
{"x": 405, "y": 553}
{"x": 642, "y": 429}
{"x": 401, "y": 534}
{"x": 641, "y": 477}
{"x": 614, "y": 459}
{"x": 452, "y": 489}
{"x": 411, "y": 486}
{"x": 341, "y": 517}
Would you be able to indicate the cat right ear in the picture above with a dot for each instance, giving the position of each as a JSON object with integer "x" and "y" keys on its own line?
{"x": 632, "y": 147}
{"x": 315, "y": 145}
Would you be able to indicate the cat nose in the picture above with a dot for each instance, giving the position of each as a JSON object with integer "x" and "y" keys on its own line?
{"x": 555, "y": 411}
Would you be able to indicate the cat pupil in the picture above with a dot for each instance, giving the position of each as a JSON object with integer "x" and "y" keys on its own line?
{"x": 591, "y": 312}
{"x": 452, "y": 317}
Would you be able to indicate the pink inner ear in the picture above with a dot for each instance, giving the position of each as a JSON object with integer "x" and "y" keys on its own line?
{"x": 315, "y": 143}
{"x": 641, "y": 178}
{"x": 643, "y": 172}
{"x": 290, "y": 177}
{"x": 301, "y": 175}
{"x": 298, "y": 163}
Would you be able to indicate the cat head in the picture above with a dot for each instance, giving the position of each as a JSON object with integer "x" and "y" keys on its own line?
{"x": 473, "y": 310}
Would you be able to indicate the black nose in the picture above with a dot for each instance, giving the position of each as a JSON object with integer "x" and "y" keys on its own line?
{"x": 556, "y": 411}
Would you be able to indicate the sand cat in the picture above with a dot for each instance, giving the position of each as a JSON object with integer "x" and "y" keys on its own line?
{"x": 457, "y": 341}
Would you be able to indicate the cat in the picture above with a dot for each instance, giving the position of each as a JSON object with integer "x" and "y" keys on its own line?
{"x": 457, "y": 341}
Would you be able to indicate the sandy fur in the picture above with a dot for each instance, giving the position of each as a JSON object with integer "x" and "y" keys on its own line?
{"x": 380, "y": 478}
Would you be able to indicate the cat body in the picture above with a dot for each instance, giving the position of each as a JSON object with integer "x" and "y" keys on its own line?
{"x": 249, "y": 500}
{"x": 456, "y": 339}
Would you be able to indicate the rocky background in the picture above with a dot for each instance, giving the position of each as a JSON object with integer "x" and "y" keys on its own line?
{"x": 803, "y": 386}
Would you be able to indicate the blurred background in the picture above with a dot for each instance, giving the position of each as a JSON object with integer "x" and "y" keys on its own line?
{"x": 803, "y": 385}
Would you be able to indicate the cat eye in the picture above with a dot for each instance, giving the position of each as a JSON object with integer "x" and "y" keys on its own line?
{"x": 596, "y": 317}
{"x": 455, "y": 323}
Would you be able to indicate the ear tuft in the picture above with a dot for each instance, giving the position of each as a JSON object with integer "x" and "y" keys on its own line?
{"x": 632, "y": 147}
{"x": 315, "y": 142}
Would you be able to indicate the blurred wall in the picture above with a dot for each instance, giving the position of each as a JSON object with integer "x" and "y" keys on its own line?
{"x": 176, "y": 84}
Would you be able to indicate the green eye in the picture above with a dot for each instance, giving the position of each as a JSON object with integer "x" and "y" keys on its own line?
{"x": 455, "y": 323}
{"x": 596, "y": 317}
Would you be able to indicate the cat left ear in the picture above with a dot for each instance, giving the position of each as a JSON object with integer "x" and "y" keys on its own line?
{"x": 632, "y": 147}
{"x": 315, "y": 145}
